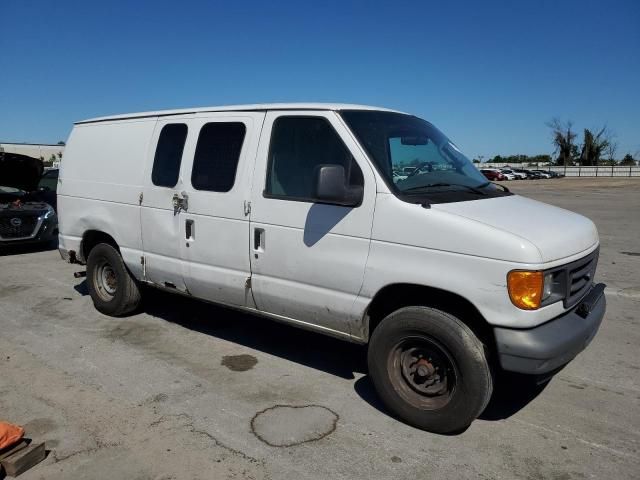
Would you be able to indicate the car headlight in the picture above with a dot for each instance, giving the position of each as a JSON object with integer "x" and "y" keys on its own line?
{"x": 50, "y": 211}
{"x": 529, "y": 290}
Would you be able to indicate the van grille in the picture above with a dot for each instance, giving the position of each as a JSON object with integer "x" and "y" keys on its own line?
{"x": 9, "y": 230}
{"x": 580, "y": 278}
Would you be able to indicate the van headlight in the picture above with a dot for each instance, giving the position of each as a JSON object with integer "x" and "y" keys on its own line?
{"x": 547, "y": 286}
{"x": 529, "y": 290}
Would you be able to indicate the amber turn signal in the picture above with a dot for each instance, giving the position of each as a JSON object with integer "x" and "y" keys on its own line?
{"x": 525, "y": 288}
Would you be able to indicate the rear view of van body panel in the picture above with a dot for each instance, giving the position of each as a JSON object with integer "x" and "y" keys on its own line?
{"x": 102, "y": 174}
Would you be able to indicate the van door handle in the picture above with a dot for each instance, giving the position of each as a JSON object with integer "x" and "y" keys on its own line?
{"x": 258, "y": 240}
{"x": 188, "y": 229}
{"x": 180, "y": 202}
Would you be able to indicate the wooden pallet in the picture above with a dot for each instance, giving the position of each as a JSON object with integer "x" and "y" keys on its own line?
{"x": 21, "y": 457}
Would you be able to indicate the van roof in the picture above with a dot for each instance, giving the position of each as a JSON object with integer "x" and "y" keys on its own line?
{"x": 239, "y": 108}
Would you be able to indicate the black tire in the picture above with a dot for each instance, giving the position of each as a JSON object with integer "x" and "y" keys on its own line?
{"x": 113, "y": 289}
{"x": 408, "y": 353}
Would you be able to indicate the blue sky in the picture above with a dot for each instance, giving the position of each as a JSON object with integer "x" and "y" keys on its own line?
{"x": 489, "y": 74}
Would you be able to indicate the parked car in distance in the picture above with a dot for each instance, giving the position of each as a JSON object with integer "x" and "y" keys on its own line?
{"x": 508, "y": 174}
{"x": 513, "y": 174}
{"x": 524, "y": 174}
{"x": 24, "y": 215}
{"x": 492, "y": 174}
{"x": 397, "y": 176}
{"x": 543, "y": 173}
{"x": 290, "y": 211}
{"x": 532, "y": 174}
{"x": 555, "y": 174}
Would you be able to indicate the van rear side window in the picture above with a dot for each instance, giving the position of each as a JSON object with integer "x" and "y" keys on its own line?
{"x": 217, "y": 155}
{"x": 166, "y": 163}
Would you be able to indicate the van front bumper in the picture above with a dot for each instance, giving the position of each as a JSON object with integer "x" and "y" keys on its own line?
{"x": 552, "y": 345}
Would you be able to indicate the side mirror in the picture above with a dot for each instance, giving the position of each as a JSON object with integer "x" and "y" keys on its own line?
{"x": 332, "y": 187}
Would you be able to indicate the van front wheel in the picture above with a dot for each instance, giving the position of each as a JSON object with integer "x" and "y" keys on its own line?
{"x": 429, "y": 369}
{"x": 113, "y": 289}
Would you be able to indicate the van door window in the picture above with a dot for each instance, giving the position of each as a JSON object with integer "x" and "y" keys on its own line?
{"x": 298, "y": 146}
{"x": 217, "y": 155}
{"x": 166, "y": 163}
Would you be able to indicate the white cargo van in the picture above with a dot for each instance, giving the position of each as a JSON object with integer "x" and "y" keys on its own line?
{"x": 297, "y": 212}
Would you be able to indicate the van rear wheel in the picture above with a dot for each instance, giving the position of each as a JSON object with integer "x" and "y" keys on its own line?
{"x": 429, "y": 369}
{"x": 113, "y": 289}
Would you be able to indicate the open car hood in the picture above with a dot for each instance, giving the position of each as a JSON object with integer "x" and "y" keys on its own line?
{"x": 20, "y": 171}
{"x": 16, "y": 208}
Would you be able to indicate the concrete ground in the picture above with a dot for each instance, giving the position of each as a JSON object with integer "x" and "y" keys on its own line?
{"x": 187, "y": 390}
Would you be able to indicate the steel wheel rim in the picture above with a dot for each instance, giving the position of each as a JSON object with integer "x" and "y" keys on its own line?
{"x": 422, "y": 372}
{"x": 106, "y": 280}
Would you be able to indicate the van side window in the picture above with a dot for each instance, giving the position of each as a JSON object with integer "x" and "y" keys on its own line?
{"x": 166, "y": 163}
{"x": 298, "y": 146}
{"x": 217, "y": 155}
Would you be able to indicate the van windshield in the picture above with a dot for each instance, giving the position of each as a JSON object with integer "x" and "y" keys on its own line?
{"x": 416, "y": 159}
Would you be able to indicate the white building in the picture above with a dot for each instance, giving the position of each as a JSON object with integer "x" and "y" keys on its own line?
{"x": 43, "y": 151}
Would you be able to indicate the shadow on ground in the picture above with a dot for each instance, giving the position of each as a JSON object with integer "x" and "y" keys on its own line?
{"x": 26, "y": 248}
{"x": 512, "y": 392}
{"x": 306, "y": 348}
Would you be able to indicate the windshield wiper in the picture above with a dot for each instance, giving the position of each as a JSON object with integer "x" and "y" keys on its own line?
{"x": 503, "y": 187}
{"x": 473, "y": 189}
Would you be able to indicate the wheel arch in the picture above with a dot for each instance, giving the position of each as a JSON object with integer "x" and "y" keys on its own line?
{"x": 398, "y": 295}
{"x": 91, "y": 238}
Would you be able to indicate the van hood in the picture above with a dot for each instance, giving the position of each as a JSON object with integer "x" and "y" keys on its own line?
{"x": 557, "y": 233}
